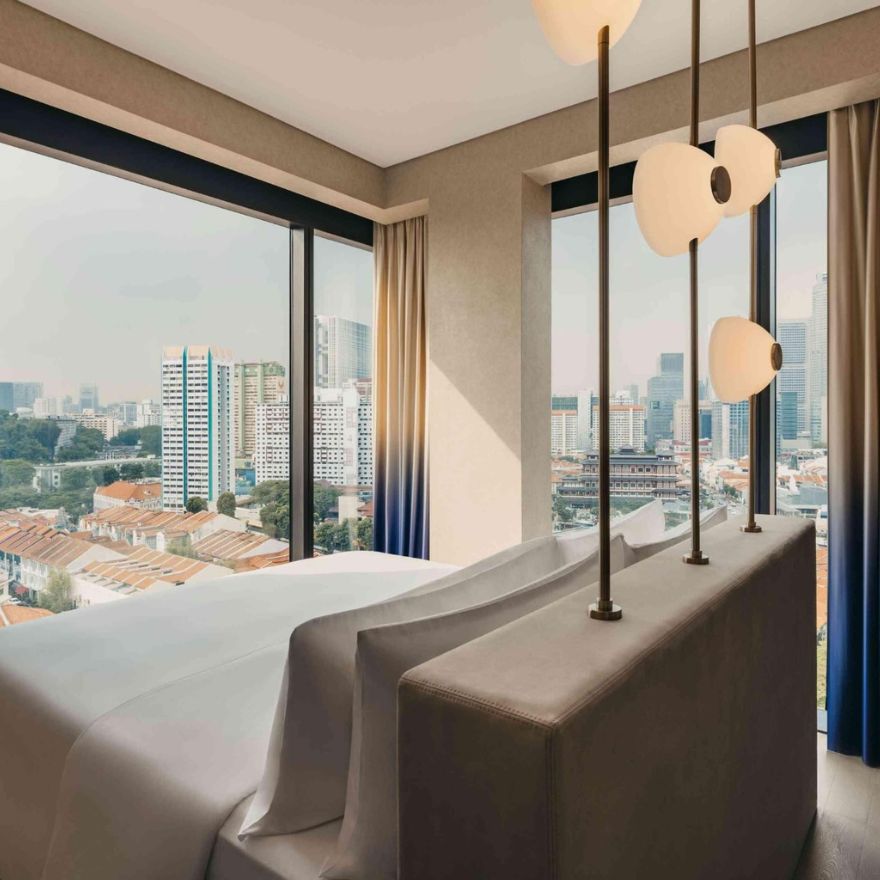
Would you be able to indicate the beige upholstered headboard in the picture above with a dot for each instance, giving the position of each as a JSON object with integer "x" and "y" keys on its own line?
{"x": 677, "y": 743}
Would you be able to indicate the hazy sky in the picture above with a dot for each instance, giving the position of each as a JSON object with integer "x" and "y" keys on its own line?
{"x": 649, "y": 294}
{"x": 97, "y": 274}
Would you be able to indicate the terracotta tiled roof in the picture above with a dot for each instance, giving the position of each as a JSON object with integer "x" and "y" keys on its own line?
{"x": 144, "y": 567}
{"x": 263, "y": 561}
{"x": 13, "y": 614}
{"x": 224, "y": 544}
{"x": 122, "y": 490}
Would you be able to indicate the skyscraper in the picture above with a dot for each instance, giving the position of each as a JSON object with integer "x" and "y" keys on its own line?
{"x": 25, "y": 393}
{"x": 7, "y": 396}
{"x": 88, "y": 397}
{"x": 663, "y": 390}
{"x": 255, "y": 384}
{"x": 818, "y": 361}
{"x": 343, "y": 351}
{"x": 626, "y": 426}
{"x": 730, "y": 429}
{"x": 271, "y": 441}
{"x": 792, "y": 378}
{"x": 564, "y": 425}
{"x": 197, "y": 435}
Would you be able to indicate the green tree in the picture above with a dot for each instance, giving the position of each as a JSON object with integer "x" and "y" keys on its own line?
{"x": 87, "y": 444}
{"x": 196, "y": 504}
{"x": 364, "y": 533}
{"x": 152, "y": 469}
{"x": 226, "y": 504}
{"x": 133, "y": 471}
{"x": 27, "y": 439}
{"x": 562, "y": 512}
{"x": 109, "y": 475}
{"x": 57, "y": 596}
{"x": 325, "y": 499}
{"x": 342, "y": 536}
{"x": 151, "y": 440}
{"x": 325, "y": 536}
{"x": 16, "y": 472}
{"x": 76, "y": 478}
{"x": 270, "y": 491}
{"x": 127, "y": 437}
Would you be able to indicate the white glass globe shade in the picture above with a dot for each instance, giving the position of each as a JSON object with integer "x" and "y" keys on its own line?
{"x": 572, "y": 26}
{"x": 743, "y": 359}
{"x": 750, "y": 159}
{"x": 672, "y": 194}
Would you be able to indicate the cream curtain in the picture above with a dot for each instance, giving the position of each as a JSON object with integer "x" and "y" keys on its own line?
{"x": 854, "y": 431}
{"x": 400, "y": 390}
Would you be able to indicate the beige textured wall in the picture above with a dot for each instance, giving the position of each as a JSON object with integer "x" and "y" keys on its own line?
{"x": 489, "y": 229}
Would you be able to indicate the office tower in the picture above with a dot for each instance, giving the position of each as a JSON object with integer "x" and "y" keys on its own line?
{"x": 25, "y": 393}
{"x": 788, "y": 410}
{"x": 255, "y": 384}
{"x": 48, "y": 407}
{"x": 730, "y": 430}
{"x": 626, "y": 426}
{"x": 586, "y": 400}
{"x": 148, "y": 413}
{"x": 818, "y": 362}
{"x": 197, "y": 435}
{"x": 271, "y": 441}
{"x": 88, "y": 397}
{"x": 682, "y": 421}
{"x": 7, "y": 396}
{"x": 792, "y": 378}
{"x": 125, "y": 412}
{"x": 343, "y": 351}
{"x": 634, "y": 393}
{"x": 663, "y": 390}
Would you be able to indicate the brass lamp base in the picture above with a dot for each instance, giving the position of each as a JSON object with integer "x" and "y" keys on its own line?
{"x": 751, "y": 528}
{"x": 698, "y": 558}
{"x": 603, "y": 610}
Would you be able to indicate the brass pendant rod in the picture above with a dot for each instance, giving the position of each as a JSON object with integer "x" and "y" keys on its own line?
{"x": 604, "y": 608}
{"x": 696, "y": 556}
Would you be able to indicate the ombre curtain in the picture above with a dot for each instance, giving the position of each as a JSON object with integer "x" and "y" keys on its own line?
{"x": 854, "y": 432}
{"x": 400, "y": 468}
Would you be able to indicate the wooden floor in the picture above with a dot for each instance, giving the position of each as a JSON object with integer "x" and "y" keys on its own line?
{"x": 845, "y": 841}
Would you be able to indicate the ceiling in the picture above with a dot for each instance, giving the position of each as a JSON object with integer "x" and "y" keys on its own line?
{"x": 389, "y": 80}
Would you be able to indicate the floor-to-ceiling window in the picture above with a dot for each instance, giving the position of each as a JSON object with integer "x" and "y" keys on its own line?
{"x": 802, "y": 384}
{"x": 343, "y": 397}
{"x": 650, "y": 409}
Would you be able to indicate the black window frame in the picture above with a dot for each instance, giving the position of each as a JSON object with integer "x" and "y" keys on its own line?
{"x": 800, "y": 141}
{"x": 31, "y": 124}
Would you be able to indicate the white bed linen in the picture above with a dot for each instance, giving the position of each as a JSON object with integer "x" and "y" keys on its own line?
{"x": 106, "y": 677}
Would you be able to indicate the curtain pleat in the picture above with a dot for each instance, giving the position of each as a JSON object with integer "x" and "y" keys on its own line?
{"x": 400, "y": 523}
{"x": 854, "y": 432}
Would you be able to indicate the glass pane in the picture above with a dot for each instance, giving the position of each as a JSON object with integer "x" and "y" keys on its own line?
{"x": 650, "y": 415}
{"x": 127, "y": 400}
{"x": 343, "y": 402}
{"x": 802, "y": 383}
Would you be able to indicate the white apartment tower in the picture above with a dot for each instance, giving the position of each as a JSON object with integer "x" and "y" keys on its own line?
{"x": 271, "y": 441}
{"x": 197, "y": 436}
{"x": 255, "y": 384}
{"x": 626, "y": 426}
{"x": 343, "y": 351}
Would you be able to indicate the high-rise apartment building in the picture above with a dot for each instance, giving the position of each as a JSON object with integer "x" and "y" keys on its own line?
{"x": 107, "y": 425}
{"x": 7, "y": 397}
{"x": 255, "y": 384}
{"x": 730, "y": 430}
{"x": 681, "y": 419}
{"x": 663, "y": 390}
{"x": 25, "y": 393}
{"x": 792, "y": 378}
{"x": 626, "y": 426}
{"x": 564, "y": 439}
{"x": 48, "y": 407}
{"x": 197, "y": 432}
{"x": 342, "y": 437}
{"x": 818, "y": 360}
{"x": 343, "y": 351}
{"x": 88, "y": 397}
{"x": 147, "y": 414}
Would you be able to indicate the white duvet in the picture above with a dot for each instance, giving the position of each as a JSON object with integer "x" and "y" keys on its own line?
{"x": 131, "y": 730}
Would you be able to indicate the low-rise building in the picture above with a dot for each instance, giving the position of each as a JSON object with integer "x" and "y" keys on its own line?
{"x": 143, "y": 494}
{"x": 241, "y": 549}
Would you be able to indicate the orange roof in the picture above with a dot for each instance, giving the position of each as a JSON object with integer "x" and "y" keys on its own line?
{"x": 265, "y": 560}
{"x": 122, "y": 490}
{"x": 13, "y": 614}
{"x": 144, "y": 567}
{"x": 225, "y": 544}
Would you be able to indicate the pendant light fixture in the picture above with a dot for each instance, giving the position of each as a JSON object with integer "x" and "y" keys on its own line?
{"x": 580, "y": 30}
{"x": 743, "y": 357}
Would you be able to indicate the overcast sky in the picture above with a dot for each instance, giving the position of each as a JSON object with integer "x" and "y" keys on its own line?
{"x": 649, "y": 294}
{"x": 97, "y": 274}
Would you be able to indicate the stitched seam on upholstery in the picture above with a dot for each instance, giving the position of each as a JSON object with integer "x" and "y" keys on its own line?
{"x": 457, "y": 696}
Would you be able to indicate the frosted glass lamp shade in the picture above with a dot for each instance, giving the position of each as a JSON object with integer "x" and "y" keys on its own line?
{"x": 750, "y": 158}
{"x": 743, "y": 359}
{"x": 674, "y": 198}
{"x": 571, "y": 26}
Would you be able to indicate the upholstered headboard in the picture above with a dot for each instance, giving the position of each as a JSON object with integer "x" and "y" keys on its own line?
{"x": 679, "y": 742}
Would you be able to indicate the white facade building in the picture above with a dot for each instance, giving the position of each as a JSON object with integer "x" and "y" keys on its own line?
{"x": 107, "y": 425}
{"x": 626, "y": 427}
{"x": 271, "y": 442}
{"x": 197, "y": 431}
{"x": 564, "y": 434}
{"x": 148, "y": 414}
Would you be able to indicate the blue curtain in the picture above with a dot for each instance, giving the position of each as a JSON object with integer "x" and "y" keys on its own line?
{"x": 854, "y": 432}
{"x": 400, "y": 463}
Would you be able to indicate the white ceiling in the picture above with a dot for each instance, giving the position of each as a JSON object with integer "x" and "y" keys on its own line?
{"x": 392, "y": 79}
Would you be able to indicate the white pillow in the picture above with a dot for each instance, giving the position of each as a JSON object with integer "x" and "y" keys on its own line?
{"x": 367, "y": 845}
{"x": 637, "y": 552}
{"x": 304, "y": 780}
